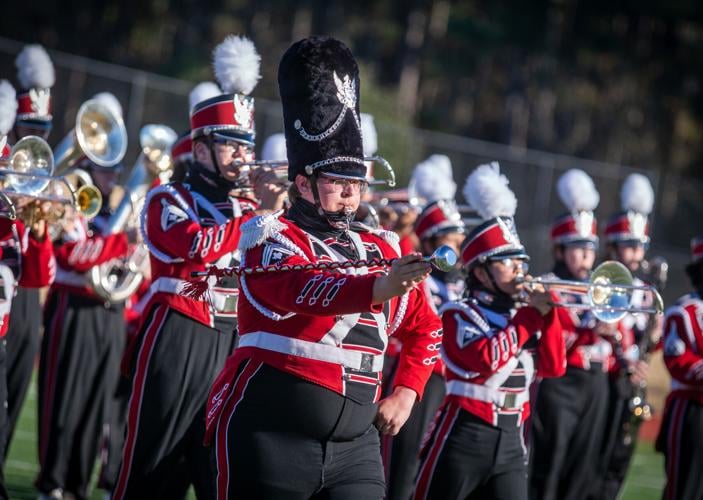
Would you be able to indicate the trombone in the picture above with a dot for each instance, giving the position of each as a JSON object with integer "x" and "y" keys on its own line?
{"x": 608, "y": 291}
{"x": 29, "y": 176}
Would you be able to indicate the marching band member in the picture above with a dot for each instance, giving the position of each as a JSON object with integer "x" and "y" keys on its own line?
{"x": 113, "y": 440}
{"x": 183, "y": 342}
{"x": 84, "y": 336}
{"x": 438, "y": 224}
{"x": 36, "y": 75}
{"x": 312, "y": 341}
{"x": 26, "y": 260}
{"x": 491, "y": 354}
{"x": 564, "y": 450}
{"x": 627, "y": 241}
{"x": 681, "y": 432}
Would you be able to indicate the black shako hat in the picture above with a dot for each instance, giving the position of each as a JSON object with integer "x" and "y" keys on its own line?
{"x": 318, "y": 80}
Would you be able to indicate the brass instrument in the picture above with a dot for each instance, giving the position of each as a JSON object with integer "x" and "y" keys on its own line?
{"x": 30, "y": 176}
{"x": 117, "y": 280}
{"x": 99, "y": 134}
{"x": 608, "y": 290}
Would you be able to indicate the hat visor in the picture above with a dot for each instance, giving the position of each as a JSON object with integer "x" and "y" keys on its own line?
{"x": 36, "y": 124}
{"x": 580, "y": 243}
{"x": 510, "y": 254}
{"x": 233, "y": 135}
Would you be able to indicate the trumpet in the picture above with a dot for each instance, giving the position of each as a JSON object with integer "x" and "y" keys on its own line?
{"x": 99, "y": 134}
{"x": 29, "y": 176}
{"x": 608, "y": 291}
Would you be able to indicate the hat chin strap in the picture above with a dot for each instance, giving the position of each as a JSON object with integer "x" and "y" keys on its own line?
{"x": 341, "y": 219}
{"x": 497, "y": 290}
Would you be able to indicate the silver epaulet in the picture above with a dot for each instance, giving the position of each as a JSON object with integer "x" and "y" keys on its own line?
{"x": 257, "y": 230}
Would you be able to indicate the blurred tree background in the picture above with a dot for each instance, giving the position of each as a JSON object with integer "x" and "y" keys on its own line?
{"x": 612, "y": 81}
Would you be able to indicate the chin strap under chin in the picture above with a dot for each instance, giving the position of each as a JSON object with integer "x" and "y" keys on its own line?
{"x": 338, "y": 220}
{"x": 213, "y": 157}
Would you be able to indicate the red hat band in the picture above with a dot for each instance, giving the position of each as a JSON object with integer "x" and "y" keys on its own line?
{"x": 627, "y": 227}
{"x": 34, "y": 104}
{"x": 494, "y": 237}
{"x": 581, "y": 226}
{"x": 229, "y": 112}
{"x": 697, "y": 249}
{"x": 439, "y": 216}
{"x": 182, "y": 149}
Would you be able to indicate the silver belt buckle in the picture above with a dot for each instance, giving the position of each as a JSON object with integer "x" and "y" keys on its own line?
{"x": 510, "y": 400}
{"x": 366, "y": 364}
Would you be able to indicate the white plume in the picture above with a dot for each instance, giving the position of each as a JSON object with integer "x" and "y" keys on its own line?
{"x": 34, "y": 68}
{"x": 487, "y": 191}
{"x": 109, "y": 100}
{"x": 203, "y": 91}
{"x": 637, "y": 194}
{"x": 275, "y": 148}
{"x": 8, "y": 107}
{"x": 237, "y": 65}
{"x": 368, "y": 134}
{"x": 577, "y": 191}
{"x": 432, "y": 179}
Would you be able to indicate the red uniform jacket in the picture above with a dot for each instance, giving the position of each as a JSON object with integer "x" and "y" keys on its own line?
{"x": 302, "y": 321}
{"x": 583, "y": 344}
{"x": 683, "y": 347}
{"x": 489, "y": 362}
{"x": 182, "y": 241}
{"x": 77, "y": 251}
{"x": 25, "y": 262}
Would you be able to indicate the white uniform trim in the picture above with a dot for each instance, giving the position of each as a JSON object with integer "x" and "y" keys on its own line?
{"x": 486, "y": 394}
{"x": 70, "y": 278}
{"x": 312, "y": 350}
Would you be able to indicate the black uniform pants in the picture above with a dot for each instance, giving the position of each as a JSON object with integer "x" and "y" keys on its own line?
{"x": 281, "y": 437}
{"x": 174, "y": 366}
{"x": 22, "y": 349}
{"x": 619, "y": 441}
{"x": 680, "y": 437}
{"x": 568, "y": 422}
{"x": 78, "y": 369}
{"x": 466, "y": 457}
{"x": 113, "y": 436}
{"x": 400, "y": 452}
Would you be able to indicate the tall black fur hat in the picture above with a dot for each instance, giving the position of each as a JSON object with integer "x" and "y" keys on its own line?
{"x": 318, "y": 80}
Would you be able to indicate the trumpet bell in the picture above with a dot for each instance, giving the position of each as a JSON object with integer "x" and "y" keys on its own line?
{"x": 444, "y": 258}
{"x": 31, "y": 156}
{"x": 610, "y": 301}
{"x": 88, "y": 201}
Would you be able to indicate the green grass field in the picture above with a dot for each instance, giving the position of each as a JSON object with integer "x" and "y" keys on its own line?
{"x": 645, "y": 481}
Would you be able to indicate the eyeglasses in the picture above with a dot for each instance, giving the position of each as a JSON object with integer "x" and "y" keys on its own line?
{"x": 339, "y": 185}
{"x": 233, "y": 146}
{"x": 513, "y": 264}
